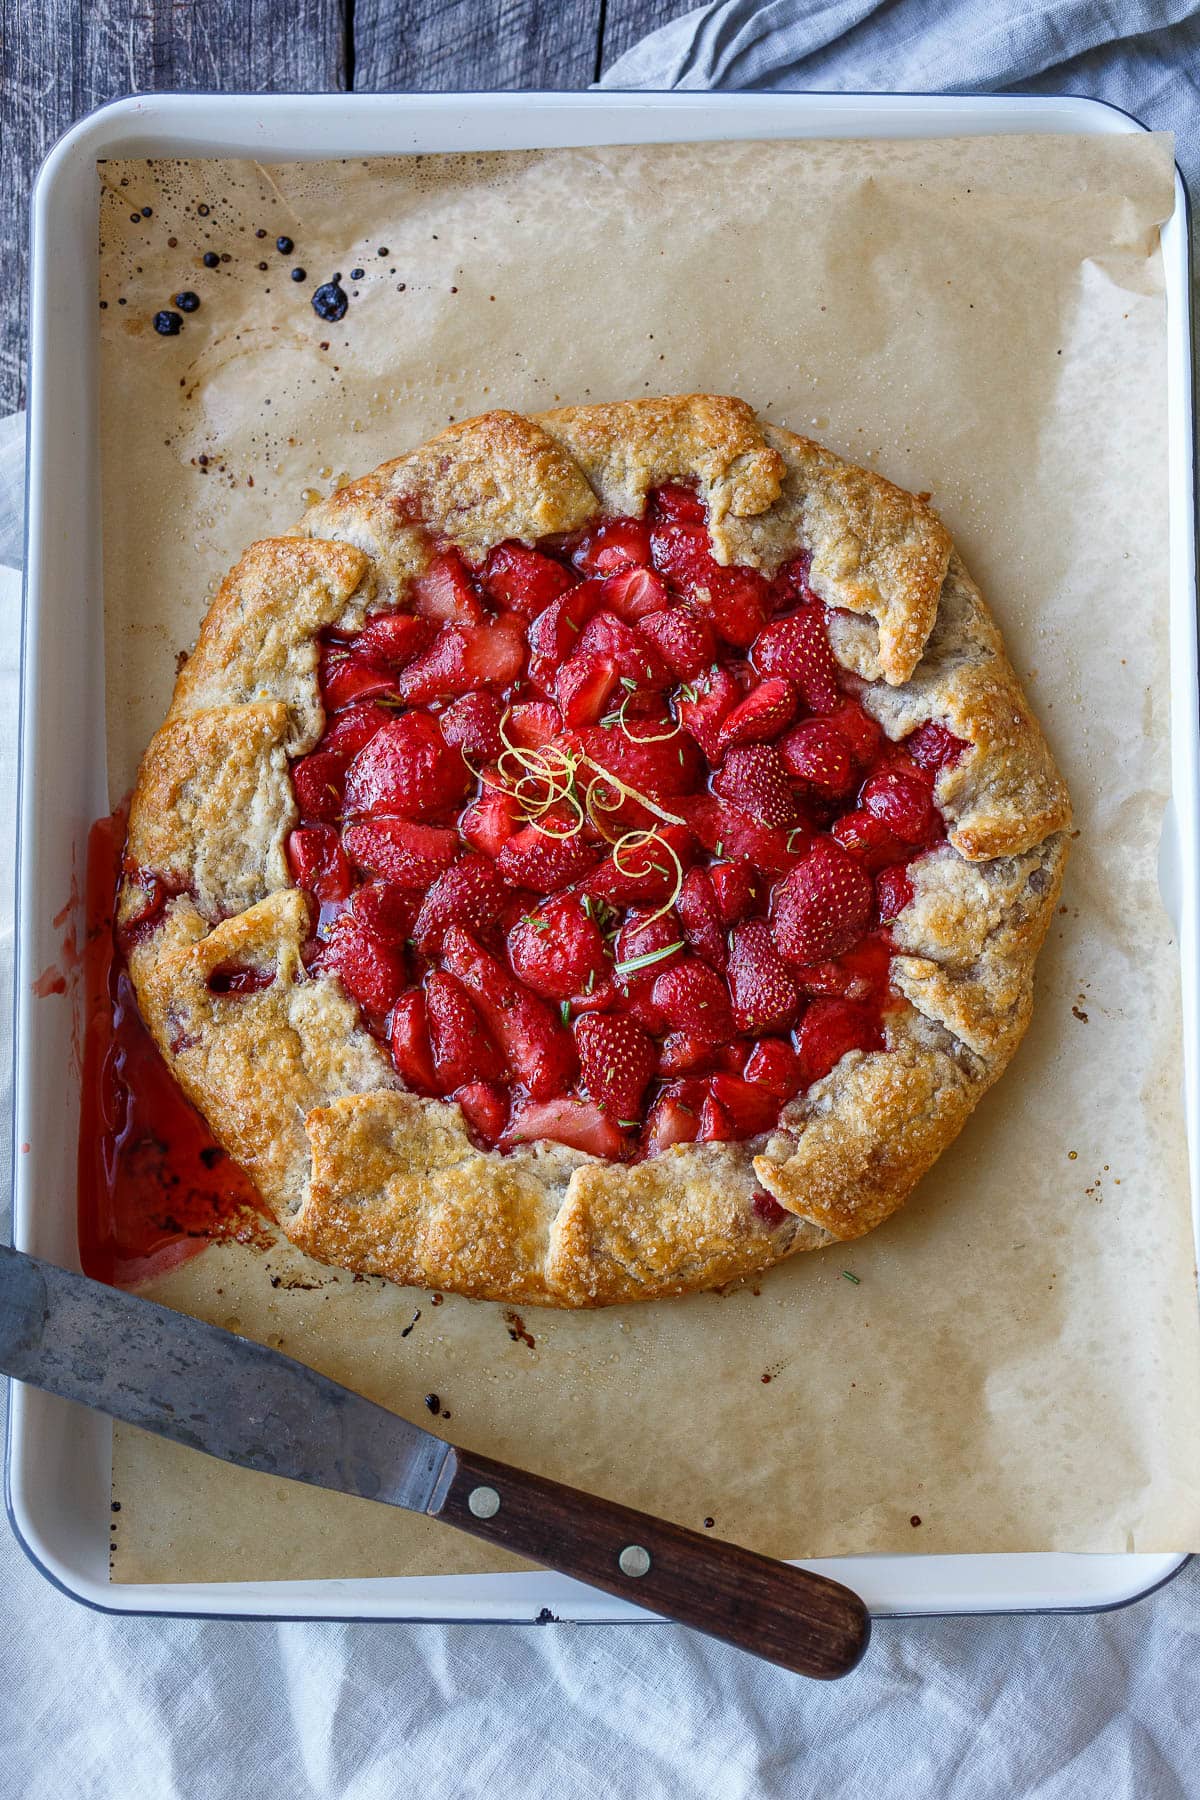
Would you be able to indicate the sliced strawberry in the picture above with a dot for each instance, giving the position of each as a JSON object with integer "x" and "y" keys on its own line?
{"x": 538, "y": 1049}
{"x": 737, "y": 603}
{"x": 523, "y": 580}
{"x": 393, "y": 639}
{"x": 764, "y": 991}
{"x": 584, "y": 687}
{"x": 602, "y": 997}
{"x": 868, "y": 839}
{"x": 318, "y": 782}
{"x": 472, "y": 725}
{"x": 462, "y": 658}
{"x": 485, "y": 1108}
{"x": 470, "y": 893}
{"x": 717, "y": 1126}
{"x": 685, "y": 642}
{"x": 704, "y": 705}
{"x": 462, "y": 1049}
{"x": 693, "y": 998}
{"x": 671, "y": 1120}
{"x": 761, "y": 716}
{"x": 735, "y": 1109}
{"x": 410, "y": 1044}
{"x": 647, "y": 754}
{"x": 537, "y": 859}
{"x": 444, "y": 591}
{"x": 756, "y": 781}
{"x": 682, "y": 1054}
{"x": 372, "y": 972}
{"x": 701, "y": 917}
{"x": 796, "y": 647}
{"x": 407, "y": 768}
{"x": 554, "y": 634}
{"x": 679, "y": 501}
{"x": 557, "y": 950}
{"x": 644, "y": 874}
{"x": 823, "y": 907}
{"x": 613, "y": 544}
{"x": 903, "y": 802}
{"x": 635, "y": 658}
{"x": 934, "y": 746}
{"x": 675, "y": 1117}
{"x": 637, "y": 997}
{"x": 532, "y": 723}
{"x": 648, "y": 942}
{"x": 828, "y": 1030}
{"x": 412, "y": 856}
{"x": 617, "y": 1059}
{"x": 734, "y": 600}
{"x": 390, "y": 912}
{"x": 861, "y": 732}
{"x": 579, "y": 1124}
{"x": 818, "y": 754}
{"x": 893, "y": 891}
{"x": 862, "y": 974}
{"x": 489, "y": 822}
{"x": 355, "y": 727}
{"x": 774, "y": 1065}
{"x": 347, "y": 680}
{"x": 635, "y": 593}
{"x": 318, "y": 863}
{"x": 736, "y": 888}
{"x": 725, "y": 830}
{"x": 682, "y": 552}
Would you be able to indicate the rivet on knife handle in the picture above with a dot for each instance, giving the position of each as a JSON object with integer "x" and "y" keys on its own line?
{"x": 790, "y": 1616}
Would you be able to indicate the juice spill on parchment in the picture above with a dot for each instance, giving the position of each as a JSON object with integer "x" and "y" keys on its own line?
{"x": 154, "y": 1186}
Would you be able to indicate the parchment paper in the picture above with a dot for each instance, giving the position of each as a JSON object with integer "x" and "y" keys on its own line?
{"x": 1015, "y": 1366}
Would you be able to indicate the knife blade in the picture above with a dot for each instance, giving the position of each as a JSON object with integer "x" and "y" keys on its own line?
{"x": 237, "y": 1400}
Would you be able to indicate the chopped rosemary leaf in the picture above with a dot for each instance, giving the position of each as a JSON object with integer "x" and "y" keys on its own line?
{"x": 719, "y": 847}
{"x": 629, "y": 1124}
{"x": 847, "y": 1276}
{"x": 633, "y": 963}
{"x": 565, "y": 1010}
{"x": 627, "y": 681}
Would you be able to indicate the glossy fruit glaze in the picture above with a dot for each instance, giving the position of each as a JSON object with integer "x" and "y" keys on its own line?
{"x": 154, "y": 1186}
{"x": 602, "y": 844}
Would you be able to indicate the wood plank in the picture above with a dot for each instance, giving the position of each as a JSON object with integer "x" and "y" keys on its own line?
{"x": 439, "y": 46}
{"x": 625, "y": 21}
{"x": 64, "y": 57}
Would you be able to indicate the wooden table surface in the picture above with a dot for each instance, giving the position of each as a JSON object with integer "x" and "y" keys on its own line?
{"x": 61, "y": 58}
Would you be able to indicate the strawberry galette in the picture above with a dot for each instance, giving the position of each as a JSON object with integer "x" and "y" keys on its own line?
{"x": 597, "y": 856}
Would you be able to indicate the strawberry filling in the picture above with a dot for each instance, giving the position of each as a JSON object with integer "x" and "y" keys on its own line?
{"x": 601, "y": 843}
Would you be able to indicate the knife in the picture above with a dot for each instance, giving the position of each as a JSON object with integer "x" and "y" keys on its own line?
{"x": 237, "y": 1400}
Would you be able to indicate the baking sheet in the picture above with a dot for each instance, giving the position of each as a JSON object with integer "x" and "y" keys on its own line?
{"x": 1016, "y": 1366}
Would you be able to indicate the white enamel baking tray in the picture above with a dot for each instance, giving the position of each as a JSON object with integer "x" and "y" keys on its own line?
{"x": 58, "y": 1462}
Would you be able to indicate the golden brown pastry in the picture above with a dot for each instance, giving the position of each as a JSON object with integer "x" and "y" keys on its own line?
{"x": 598, "y": 855}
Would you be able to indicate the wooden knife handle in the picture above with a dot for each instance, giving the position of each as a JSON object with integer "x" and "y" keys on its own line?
{"x": 789, "y": 1616}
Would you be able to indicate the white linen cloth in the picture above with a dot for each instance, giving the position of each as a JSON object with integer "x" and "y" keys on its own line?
{"x": 1061, "y": 1708}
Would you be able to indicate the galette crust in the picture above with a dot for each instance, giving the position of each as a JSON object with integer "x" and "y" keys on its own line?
{"x": 362, "y": 1173}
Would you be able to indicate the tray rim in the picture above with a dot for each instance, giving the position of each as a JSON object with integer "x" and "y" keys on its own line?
{"x": 944, "y": 1585}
